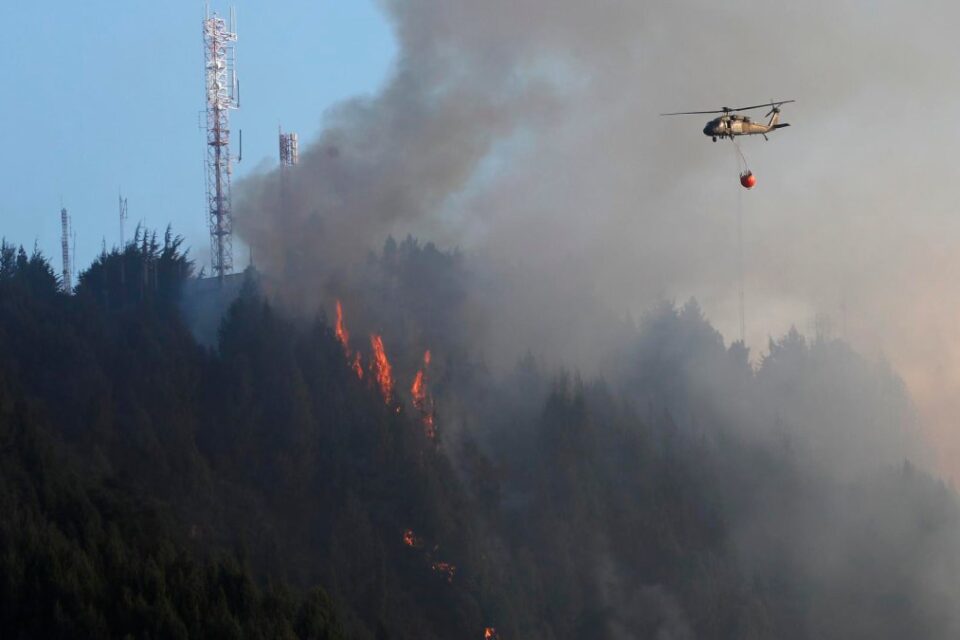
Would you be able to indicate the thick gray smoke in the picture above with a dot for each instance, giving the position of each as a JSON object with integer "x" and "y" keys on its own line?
{"x": 525, "y": 132}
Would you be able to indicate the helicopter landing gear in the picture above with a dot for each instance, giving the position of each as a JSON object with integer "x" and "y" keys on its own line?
{"x": 714, "y": 138}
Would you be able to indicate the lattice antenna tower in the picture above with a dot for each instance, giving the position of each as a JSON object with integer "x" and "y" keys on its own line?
{"x": 123, "y": 218}
{"x": 289, "y": 149}
{"x": 289, "y": 156}
{"x": 223, "y": 95}
{"x": 65, "y": 246}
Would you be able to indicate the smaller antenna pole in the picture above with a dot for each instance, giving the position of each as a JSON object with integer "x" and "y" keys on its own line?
{"x": 123, "y": 218}
{"x": 65, "y": 246}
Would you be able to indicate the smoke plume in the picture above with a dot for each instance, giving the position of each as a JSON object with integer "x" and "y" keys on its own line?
{"x": 526, "y": 133}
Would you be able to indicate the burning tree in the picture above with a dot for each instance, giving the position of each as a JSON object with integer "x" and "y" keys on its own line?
{"x": 421, "y": 399}
{"x": 380, "y": 368}
{"x": 343, "y": 337}
{"x": 341, "y": 330}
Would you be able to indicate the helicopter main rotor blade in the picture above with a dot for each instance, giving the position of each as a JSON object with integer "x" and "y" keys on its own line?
{"x": 760, "y": 106}
{"x": 696, "y": 113}
{"x": 728, "y": 109}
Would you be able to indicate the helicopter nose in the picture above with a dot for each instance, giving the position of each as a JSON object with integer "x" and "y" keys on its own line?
{"x": 708, "y": 130}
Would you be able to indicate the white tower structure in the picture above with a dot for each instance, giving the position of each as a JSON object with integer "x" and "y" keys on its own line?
{"x": 219, "y": 40}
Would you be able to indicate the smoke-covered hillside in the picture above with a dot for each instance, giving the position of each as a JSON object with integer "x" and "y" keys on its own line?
{"x": 316, "y": 477}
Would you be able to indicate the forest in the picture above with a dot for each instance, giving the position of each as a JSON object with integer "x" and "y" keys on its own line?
{"x": 295, "y": 480}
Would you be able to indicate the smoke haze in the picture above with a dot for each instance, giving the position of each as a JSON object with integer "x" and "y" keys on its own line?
{"x": 527, "y": 134}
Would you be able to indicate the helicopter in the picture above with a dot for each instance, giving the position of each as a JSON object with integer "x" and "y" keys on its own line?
{"x": 732, "y": 124}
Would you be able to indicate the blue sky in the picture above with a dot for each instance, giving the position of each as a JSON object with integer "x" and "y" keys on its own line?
{"x": 102, "y": 95}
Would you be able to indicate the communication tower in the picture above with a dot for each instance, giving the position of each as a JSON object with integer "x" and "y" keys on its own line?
{"x": 289, "y": 156}
{"x": 219, "y": 40}
{"x": 289, "y": 149}
{"x": 65, "y": 245}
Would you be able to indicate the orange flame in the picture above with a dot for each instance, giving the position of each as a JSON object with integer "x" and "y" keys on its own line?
{"x": 343, "y": 337}
{"x": 419, "y": 395}
{"x": 490, "y": 634}
{"x": 420, "y": 399}
{"x": 445, "y": 568}
{"x": 380, "y": 367}
{"x": 357, "y": 365}
{"x": 411, "y": 540}
{"x": 341, "y": 330}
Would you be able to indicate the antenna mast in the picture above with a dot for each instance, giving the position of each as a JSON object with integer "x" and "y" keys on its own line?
{"x": 65, "y": 245}
{"x": 219, "y": 41}
{"x": 123, "y": 218}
